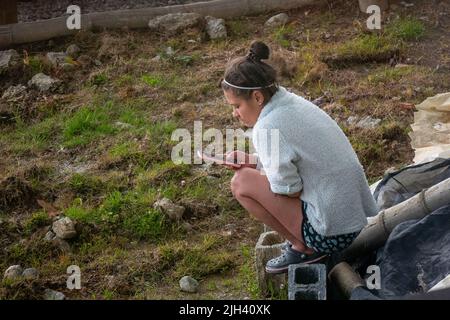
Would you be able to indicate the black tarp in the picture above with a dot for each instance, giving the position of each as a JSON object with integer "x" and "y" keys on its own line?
{"x": 398, "y": 186}
{"x": 415, "y": 257}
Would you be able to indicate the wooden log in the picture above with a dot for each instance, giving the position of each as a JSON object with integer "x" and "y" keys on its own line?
{"x": 345, "y": 278}
{"x": 375, "y": 234}
{"x": 138, "y": 18}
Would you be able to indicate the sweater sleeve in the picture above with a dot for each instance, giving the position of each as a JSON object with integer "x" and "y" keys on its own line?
{"x": 278, "y": 161}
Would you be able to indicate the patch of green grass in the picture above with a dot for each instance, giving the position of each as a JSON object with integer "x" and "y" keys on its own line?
{"x": 37, "y": 220}
{"x": 407, "y": 29}
{"x": 165, "y": 172}
{"x": 153, "y": 80}
{"x": 197, "y": 260}
{"x": 35, "y": 137}
{"x": 366, "y": 47}
{"x": 283, "y": 35}
{"x": 85, "y": 125}
{"x": 247, "y": 273}
{"x": 148, "y": 225}
{"x": 85, "y": 184}
{"x": 36, "y": 64}
{"x": 388, "y": 74}
{"x": 99, "y": 79}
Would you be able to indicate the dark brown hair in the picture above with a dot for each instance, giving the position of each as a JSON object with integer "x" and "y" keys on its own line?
{"x": 250, "y": 71}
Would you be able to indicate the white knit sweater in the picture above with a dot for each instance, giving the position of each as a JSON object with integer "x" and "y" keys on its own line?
{"x": 315, "y": 157}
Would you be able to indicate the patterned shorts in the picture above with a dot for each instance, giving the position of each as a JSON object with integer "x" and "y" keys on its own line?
{"x": 323, "y": 244}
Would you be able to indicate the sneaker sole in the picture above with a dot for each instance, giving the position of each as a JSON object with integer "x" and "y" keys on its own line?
{"x": 285, "y": 269}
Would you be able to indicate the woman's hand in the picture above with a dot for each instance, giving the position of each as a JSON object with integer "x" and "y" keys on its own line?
{"x": 242, "y": 158}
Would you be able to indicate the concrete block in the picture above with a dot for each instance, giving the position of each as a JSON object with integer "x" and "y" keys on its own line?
{"x": 307, "y": 282}
{"x": 268, "y": 247}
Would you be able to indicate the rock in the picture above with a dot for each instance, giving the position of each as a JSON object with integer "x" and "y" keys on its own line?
{"x": 156, "y": 58}
{"x": 43, "y": 82}
{"x": 277, "y": 21}
{"x": 401, "y": 65}
{"x": 7, "y": 115}
{"x": 365, "y": 123}
{"x": 215, "y": 28}
{"x": 10, "y": 61}
{"x": 14, "y": 93}
{"x": 123, "y": 125}
{"x": 49, "y": 236}
{"x": 13, "y": 272}
{"x": 73, "y": 50}
{"x": 368, "y": 122}
{"x": 188, "y": 284}
{"x": 173, "y": 23}
{"x": 30, "y": 273}
{"x": 57, "y": 58}
{"x": 173, "y": 211}
{"x": 64, "y": 228}
{"x": 53, "y": 295}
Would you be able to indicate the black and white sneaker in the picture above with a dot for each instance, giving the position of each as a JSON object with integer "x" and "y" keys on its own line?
{"x": 290, "y": 256}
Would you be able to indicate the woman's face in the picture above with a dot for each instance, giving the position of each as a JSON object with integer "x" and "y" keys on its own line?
{"x": 246, "y": 111}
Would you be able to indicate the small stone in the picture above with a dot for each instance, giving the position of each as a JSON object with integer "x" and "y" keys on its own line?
{"x": 173, "y": 23}
{"x": 13, "y": 272}
{"x": 9, "y": 61}
{"x": 156, "y": 58}
{"x": 183, "y": 183}
{"x": 401, "y": 65}
{"x": 30, "y": 273}
{"x": 43, "y": 82}
{"x": 53, "y": 295}
{"x": 97, "y": 62}
{"x": 215, "y": 28}
{"x": 123, "y": 125}
{"x": 14, "y": 93}
{"x": 365, "y": 123}
{"x": 57, "y": 58}
{"x": 188, "y": 284}
{"x": 64, "y": 228}
{"x": 277, "y": 21}
{"x": 73, "y": 50}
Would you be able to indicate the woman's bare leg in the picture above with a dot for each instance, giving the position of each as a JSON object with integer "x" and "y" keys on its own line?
{"x": 281, "y": 213}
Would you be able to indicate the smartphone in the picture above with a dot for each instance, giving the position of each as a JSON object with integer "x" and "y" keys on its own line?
{"x": 217, "y": 159}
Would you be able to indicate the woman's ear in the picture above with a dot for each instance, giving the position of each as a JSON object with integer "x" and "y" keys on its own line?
{"x": 259, "y": 97}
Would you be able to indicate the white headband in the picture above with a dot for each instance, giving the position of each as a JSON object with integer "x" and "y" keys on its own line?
{"x": 246, "y": 88}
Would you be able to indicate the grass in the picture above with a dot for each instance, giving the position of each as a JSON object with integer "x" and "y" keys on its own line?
{"x": 366, "y": 48}
{"x": 37, "y": 220}
{"x": 408, "y": 29}
{"x": 283, "y": 35}
{"x": 388, "y": 74}
{"x": 85, "y": 125}
{"x": 197, "y": 260}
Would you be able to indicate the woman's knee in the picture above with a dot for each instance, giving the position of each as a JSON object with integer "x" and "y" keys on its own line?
{"x": 239, "y": 182}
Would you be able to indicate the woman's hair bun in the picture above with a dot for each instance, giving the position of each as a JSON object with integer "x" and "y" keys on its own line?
{"x": 259, "y": 51}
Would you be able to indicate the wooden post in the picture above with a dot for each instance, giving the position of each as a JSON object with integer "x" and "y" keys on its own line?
{"x": 8, "y": 11}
